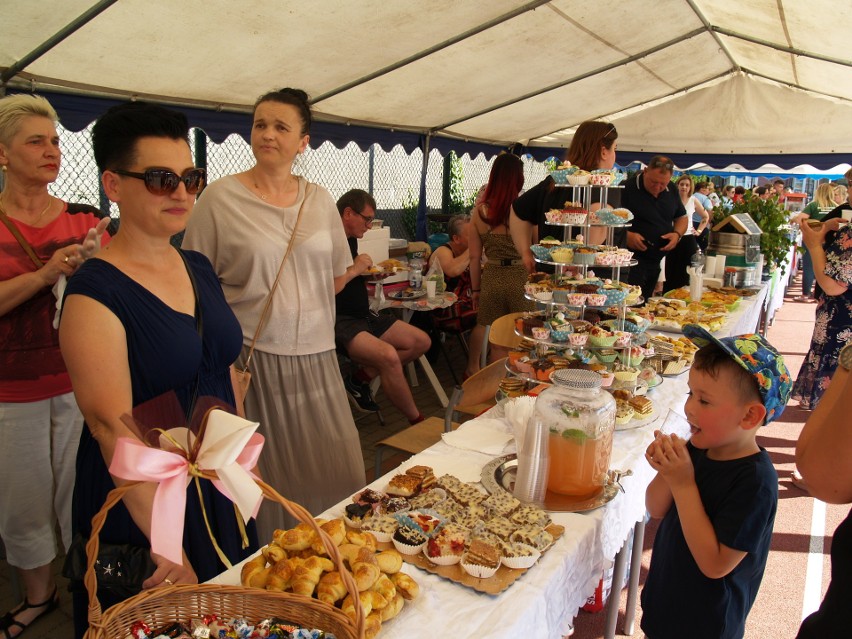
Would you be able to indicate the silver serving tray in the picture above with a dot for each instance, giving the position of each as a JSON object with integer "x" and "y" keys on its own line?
{"x": 499, "y": 474}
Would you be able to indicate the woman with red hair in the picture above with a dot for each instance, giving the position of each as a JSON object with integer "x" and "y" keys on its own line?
{"x": 499, "y": 288}
{"x": 592, "y": 147}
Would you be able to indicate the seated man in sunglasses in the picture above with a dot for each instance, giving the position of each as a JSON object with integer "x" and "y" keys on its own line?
{"x": 380, "y": 343}
{"x": 659, "y": 220}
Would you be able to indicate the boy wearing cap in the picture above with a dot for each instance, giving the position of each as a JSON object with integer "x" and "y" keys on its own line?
{"x": 716, "y": 493}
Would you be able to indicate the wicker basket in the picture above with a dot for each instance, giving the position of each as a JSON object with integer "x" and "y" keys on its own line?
{"x": 162, "y": 606}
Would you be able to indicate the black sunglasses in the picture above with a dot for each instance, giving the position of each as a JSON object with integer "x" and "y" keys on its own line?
{"x": 165, "y": 182}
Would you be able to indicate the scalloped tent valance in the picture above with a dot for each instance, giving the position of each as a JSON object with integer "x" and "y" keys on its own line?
{"x": 723, "y": 81}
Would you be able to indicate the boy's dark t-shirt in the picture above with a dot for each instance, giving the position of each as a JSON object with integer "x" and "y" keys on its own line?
{"x": 740, "y": 497}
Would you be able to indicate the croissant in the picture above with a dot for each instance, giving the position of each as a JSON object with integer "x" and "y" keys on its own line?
{"x": 307, "y": 574}
{"x": 274, "y": 554}
{"x": 384, "y": 587}
{"x": 297, "y": 538}
{"x": 365, "y": 574}
{"x": 369, "y": 601}
{"x": 349, "y": 552}
{"x": 372, "y": 625}
{"x": 392, "y": 609}
{"x": 405, "y": 585}
{"x": 361, "y": 538}
{"x": 331, "y": 588}
{"x": 390, "y": 561}
{"x": 335, "y": 529}
{"x": 365, "y": 555}
{"x": 280, "y": 574}
{"x": 253, "y": 572}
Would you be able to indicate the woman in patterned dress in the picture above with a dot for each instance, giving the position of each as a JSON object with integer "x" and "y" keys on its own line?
{"x": 833, "y": 325}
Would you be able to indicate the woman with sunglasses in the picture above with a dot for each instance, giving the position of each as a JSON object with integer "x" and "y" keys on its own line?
{"x": 146, "y": 331}
{"x": 245, "y": 224}
{"x": 592, "y": 147}
{"x": 43, "y": 240}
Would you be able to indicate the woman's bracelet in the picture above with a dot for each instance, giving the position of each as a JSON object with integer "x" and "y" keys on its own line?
{"x": 474, "y": 290}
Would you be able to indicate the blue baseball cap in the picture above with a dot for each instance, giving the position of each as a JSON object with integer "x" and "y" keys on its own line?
{"x": 759, "y": 358}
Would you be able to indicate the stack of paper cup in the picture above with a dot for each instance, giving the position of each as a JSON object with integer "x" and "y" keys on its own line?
{"x": 720, "y": 267}
{"x": 533, "y": 463}
{"x": 710, "y": 265}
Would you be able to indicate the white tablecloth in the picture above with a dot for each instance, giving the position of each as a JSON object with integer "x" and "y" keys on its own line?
{"x": 545, "y": 600}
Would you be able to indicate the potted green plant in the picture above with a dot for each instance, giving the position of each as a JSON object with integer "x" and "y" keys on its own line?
{"x": 773, "y": 220}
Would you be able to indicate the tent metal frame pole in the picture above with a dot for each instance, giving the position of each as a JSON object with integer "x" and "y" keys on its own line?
{"x": 433, "y": 49}
{"x": 782, "y": 48}
{"x": 80, "y": 21}
{"x": 588, "y": 74}
{"x": 712, "y": 32}
{"x": 422, "y": 230}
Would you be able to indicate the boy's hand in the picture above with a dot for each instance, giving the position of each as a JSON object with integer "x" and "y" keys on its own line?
{"x": 669, "y": 456}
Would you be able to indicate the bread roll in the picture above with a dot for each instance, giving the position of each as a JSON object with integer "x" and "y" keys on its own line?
{"x": 389, "y": 561}
{"x": 331, "y": 588}
{"x": 253, "y": 573}
{"x": 307, "y": 575}
{"x": 392, "y": 609}
{"x": 405, "y": 585}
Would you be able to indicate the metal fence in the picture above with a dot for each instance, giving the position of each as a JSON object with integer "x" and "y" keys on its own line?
{"x": 392, "y": 177}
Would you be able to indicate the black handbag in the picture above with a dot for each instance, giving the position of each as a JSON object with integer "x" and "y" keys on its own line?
{"x": 120, "y": 568}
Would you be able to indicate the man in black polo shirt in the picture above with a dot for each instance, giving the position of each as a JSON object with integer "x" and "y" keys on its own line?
{"x": 659, "y": 220}
{"x": 379, "y": 343}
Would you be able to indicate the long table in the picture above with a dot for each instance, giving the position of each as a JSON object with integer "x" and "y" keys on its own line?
{"x": 545, "y": 600}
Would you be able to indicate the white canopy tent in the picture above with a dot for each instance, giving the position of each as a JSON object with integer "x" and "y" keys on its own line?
{"x": 722, "y": 77}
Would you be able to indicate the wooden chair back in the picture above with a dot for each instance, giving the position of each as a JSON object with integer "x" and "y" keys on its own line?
{"x": 502, "y": 331}
{"x": 479, "y": 389}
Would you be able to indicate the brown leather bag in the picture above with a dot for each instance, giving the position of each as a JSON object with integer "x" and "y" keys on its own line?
{"x": 241, "y": 378}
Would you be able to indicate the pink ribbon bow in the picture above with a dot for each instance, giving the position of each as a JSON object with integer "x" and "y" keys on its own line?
{"x": 230, "y": 447}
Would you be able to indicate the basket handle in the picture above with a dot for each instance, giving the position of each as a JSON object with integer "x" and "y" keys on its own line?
{"x": 296, "y": 510}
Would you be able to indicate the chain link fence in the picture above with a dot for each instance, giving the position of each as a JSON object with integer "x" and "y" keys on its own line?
{"x": 392, "y": 177}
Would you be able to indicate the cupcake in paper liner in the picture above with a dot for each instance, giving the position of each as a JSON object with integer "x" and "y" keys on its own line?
{"x": 447, "y": 547}
{"x": 519, "y": 556}
{"x": 382, "y": 527}
{"x": 356, "y": 514}
{"x": 391, "y": 505}
{"x": 425, "y": 521}
{"x": 408, "y": 541}
{"x": 475, "y": 570}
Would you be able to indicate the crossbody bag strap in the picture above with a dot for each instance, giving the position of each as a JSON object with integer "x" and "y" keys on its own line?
{"x": 268, "y": 306}
{"x": 21, "y": 240}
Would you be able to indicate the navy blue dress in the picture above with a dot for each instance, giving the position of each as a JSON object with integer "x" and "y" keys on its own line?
{"x": 165, "y": 353}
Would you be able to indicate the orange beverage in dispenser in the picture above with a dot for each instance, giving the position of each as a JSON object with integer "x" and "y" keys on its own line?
{"x": 578, "y": 463}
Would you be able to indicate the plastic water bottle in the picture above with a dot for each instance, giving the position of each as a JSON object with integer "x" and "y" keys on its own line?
{"x": 696, "y": 275}
{"x": 415, "y": 273}
{"x": 697, "y": 261}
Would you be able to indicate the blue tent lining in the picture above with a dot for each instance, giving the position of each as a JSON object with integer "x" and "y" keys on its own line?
{"x": 76, "y": 112}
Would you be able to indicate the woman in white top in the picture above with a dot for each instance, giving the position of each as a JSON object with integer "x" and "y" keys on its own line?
{"x": 678, "y": 259}
{"x": 244, "y": 224}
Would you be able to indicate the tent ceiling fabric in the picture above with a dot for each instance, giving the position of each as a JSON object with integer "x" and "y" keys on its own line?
{"x": 685, "y": 76}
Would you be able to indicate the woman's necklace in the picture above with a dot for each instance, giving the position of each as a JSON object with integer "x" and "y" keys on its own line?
{"x": 260, "y": 193}
{"x": 40, "y": 215}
